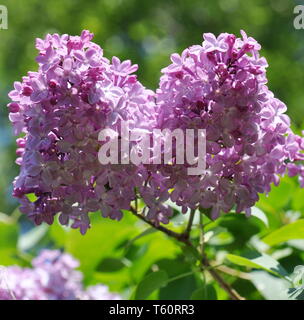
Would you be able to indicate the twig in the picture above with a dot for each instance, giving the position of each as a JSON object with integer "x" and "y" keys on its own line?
{"x": 170, "y": 233}
{"x": 201, "y": 249}
{"x": 205, "y": 262}
{"x": 190, "y": 222}
{"x": 202, "y": 235}
{"x": 224, "y": 285}
{"x": 233, "y": 272}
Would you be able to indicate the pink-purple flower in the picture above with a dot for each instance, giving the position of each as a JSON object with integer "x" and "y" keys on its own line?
{"x": 219, "y": 86}
{"x": 53, "y": 277}
{"x": 59, "y": 112}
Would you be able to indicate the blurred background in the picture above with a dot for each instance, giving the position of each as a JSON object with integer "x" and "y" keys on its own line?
{"x": 146, "y": 32}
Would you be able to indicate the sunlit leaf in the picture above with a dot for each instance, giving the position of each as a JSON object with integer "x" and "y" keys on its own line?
{"x": 278, "y": 196}
{"x": 272, "y": 288}
{"x": 258, "y": 213}
{"x": 29, "y": 239}
{"x": 141, "y": 235}
{"x": 8, "y": 235}
{"x": 8, "y": 256}
{"x": 32, "y": 197}
{"x": 259, "y": 261}
{"x": 291, "y": 231}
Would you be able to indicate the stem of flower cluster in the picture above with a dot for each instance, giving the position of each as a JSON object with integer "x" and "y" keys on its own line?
{"x": 184, "y": 238}
{"x": 190, "y": 222}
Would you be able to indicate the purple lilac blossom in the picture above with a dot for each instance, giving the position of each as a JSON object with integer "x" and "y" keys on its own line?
{"x": 60, "y": 111}
{"x": 221, "y": 86}
{"x": 53, "y": 277}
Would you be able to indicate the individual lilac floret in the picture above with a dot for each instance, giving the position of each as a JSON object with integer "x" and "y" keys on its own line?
{"x": 60, "y": 111}
{"x": 221, "y": 86}
{"x": 53, "y": 277}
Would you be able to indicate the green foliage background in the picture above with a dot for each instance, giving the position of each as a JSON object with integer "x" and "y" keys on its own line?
{"x": 147, "y": 32}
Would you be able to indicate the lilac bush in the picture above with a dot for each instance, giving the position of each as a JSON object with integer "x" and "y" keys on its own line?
{"x": 53, "y": 277}
{"x": 220, "y": 86}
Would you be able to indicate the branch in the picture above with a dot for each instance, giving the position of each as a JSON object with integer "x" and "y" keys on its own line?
{"x": 190, "y": 222}
{"x": 205, "y": 264}
{"x": 178, "y": 236}
{"x": 224, "y": 285}
{"x": 182, "y": 237}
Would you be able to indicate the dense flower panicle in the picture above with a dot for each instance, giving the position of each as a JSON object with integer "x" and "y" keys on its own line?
{"x": 53, "y": 277}
{"x": 221, "y": 86}
{"x": 60, "y": 110}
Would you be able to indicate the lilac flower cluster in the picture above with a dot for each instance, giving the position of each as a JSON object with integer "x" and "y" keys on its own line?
{"x": 220, "y": 86}
{"x": 60, "y": 110}
{"x": 53, "y": 277}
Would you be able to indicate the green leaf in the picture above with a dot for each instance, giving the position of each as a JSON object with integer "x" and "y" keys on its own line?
{"x": 258, "y": 213}
{"x": 297, "y": 199}
{"x": 8, "y": 256}
{"x": 32, "y": 197}
{"x": 141, "y": 235}
{"x": 103, "y": 238}
{"x": 8, "y": 235}
{"x": 58, "y": 234}
{"x": 295, "y": 293}
{"x": 155, "y": 252}
{"x": 221, "y": 237}
{"x": 298, "y": 276}
{"x": 279, "y": 196}
{"x": 259, "y": 261}
{"x": 204, "y": 293}
{"x": 241, "y": 228}
{"x": 191, "y": 254}
{"x": 181, "y": 276}
{"x": 6, "y": 219}
{"x": 110, "y": 265}
{"x": 272, "y": 288}
{"x": 136, "y": 252}
{"x": 150, "y": 283}
{"x": 291, "y": 231}
{"x": 8, "y": 241}
{"x": 29, "y": 239}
